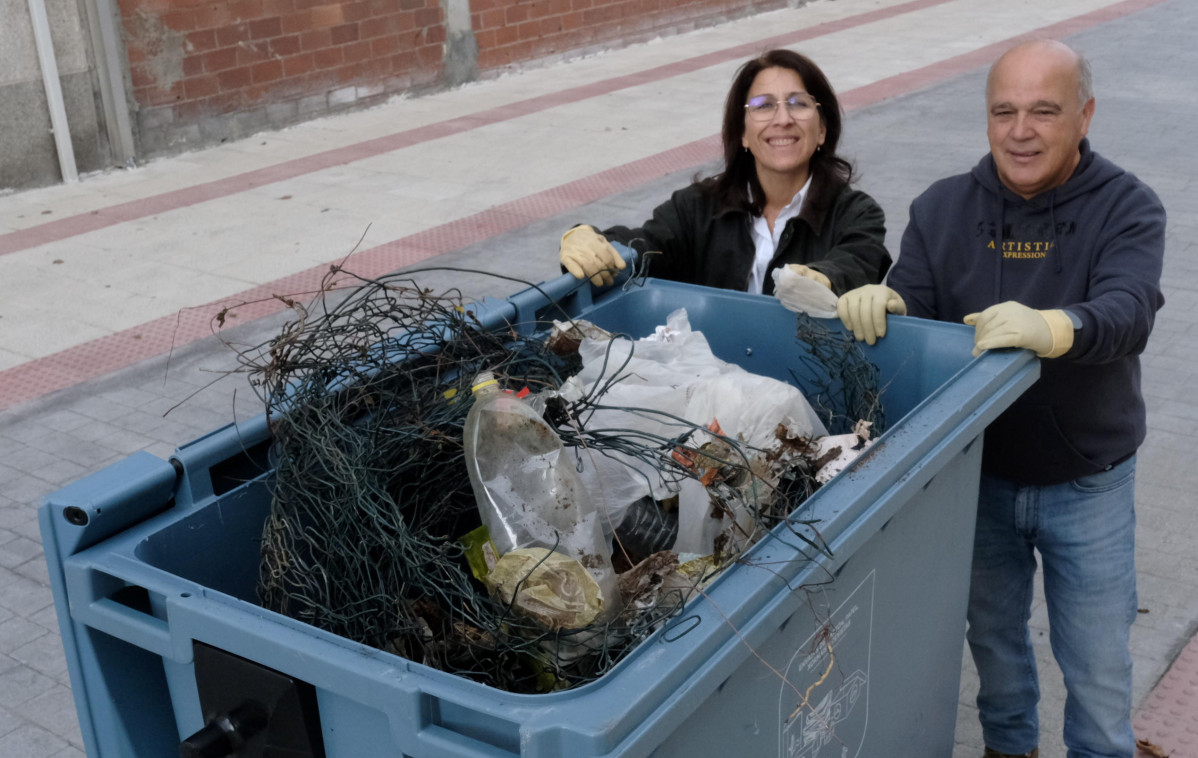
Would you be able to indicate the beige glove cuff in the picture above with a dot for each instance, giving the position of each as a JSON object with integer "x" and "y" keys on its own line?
{"x": 1061, "y": 327}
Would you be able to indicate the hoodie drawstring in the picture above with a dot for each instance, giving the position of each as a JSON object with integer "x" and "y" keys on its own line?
{"x": 1002, "y": 207}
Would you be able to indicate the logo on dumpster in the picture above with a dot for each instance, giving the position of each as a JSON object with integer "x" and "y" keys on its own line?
{"x": 824, "y": 704}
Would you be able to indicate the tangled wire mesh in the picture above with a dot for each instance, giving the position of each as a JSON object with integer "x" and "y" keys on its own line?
{"x": 366, "y": 396}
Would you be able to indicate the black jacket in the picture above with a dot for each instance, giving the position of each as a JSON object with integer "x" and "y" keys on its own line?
{"x": 692, "y": 239}
{"x": 1093, "y": 246}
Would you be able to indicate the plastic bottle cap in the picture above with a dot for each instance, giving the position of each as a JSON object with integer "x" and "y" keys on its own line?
{"x": 482, "y": 384}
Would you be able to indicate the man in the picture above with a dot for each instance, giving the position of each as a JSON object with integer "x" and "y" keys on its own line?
{"x": 1048, "y": 246}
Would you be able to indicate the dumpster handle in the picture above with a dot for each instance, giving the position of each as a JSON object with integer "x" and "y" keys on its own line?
{"x": 538, "y": 302}
{"x": 564, "y": 295}
{"x": 448, "y": 742}
{"x": 144, "y": 630}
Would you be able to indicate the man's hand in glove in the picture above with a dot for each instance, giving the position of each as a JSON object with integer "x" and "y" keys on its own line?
{"x": 864, "y": 310}
{"x": 1048, "y": 333}
{"x": 586, "y": 253}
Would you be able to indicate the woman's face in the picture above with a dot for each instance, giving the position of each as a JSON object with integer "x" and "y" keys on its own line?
{"x": 784, "y": 142}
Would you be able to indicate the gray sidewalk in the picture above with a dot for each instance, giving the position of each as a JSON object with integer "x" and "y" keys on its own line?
{"x": 1147, "y": 104}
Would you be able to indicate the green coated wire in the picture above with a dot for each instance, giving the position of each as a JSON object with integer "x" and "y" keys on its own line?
{"x": 367, "y": 391}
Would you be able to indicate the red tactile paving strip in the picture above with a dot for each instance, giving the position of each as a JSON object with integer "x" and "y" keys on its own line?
{"x": 116, "y": 351}
{"x": 1169, "y": 717}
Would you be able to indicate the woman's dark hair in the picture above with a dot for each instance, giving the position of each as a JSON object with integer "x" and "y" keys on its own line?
{"x": 828, "y": 170}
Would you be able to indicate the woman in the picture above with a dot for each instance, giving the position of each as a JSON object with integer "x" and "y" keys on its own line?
{"x": 783, "y": 198}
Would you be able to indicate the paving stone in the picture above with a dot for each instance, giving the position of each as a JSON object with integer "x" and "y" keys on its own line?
{"x": 9, "y": 447}
{"x": 31, "y": 741}
{"x": 60, "y": 472}
{"x": 98, "y": 408}
{"x": 24, "y": 433}
{"x": 28, "y": 460}
{"x": 26, "y": 489}
{"x": 47, "y": 618}
{"x": 123, "y": 441}
{"x": 9, "y": 721}
{"x": 12, "y": 515}
{"x": 64, "y": 421}
{"x": 17, "y": 632}
{"x": 93, "y": 430}
{"x": 74, "y": 450}
{"x": 44, "y": 711}
{"x": 22, "y": 595}
{"x": 20, "y": 684}
{"x": 34, "y": 569}
{"x": 9, "y": 473}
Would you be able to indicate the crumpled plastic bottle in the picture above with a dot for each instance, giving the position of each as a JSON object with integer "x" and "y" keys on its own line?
{"x": 529, "y": 495}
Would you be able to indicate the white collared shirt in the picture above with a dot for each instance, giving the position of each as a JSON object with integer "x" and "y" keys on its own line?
{"x": 766, "y": 242}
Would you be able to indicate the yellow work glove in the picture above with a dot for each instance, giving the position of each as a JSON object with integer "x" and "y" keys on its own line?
{"x": 864, "y": 310}
{"x": 810, "y": 273}
{"x": 586, "y": 253}
{"x": 1048, "y": 333}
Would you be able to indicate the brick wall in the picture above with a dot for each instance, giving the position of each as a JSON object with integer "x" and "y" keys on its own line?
{"x": 205, "y": 70}
{"x": 202, "y": 71}
{"x": 513, "y": 31}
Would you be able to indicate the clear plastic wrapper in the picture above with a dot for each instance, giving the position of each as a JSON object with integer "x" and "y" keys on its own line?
{"x": 529, "y": 494}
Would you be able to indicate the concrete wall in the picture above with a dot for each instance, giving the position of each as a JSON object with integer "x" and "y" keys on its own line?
{"x": 28, "y": 157}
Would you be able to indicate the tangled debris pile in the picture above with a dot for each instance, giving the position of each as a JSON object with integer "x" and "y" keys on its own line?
{"x": 374, "y": 532}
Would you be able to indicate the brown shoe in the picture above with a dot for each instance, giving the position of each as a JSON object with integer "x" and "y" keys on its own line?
{"x": 995, "y": 754}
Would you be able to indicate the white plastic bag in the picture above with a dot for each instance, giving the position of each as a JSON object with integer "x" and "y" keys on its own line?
{"x": 802, "y": 294}
{"x": 673, "y": 373}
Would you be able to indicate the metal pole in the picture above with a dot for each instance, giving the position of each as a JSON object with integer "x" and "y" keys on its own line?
{"x": 58, "y": 112}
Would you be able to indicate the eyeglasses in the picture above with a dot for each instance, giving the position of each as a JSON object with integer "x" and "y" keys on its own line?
{"x": 800, "y": 106}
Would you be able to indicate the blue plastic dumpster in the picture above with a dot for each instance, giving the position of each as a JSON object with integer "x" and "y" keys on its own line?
{"x": 154, "y": 564}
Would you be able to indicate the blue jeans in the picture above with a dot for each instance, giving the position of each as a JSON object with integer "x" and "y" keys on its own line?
{"x": 1084, "y": 531}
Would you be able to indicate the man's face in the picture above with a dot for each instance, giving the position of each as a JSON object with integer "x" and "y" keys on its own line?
{"x": 1035, "y": 121}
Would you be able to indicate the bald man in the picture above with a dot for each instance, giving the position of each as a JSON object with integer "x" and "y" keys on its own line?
{"x": 1048, "y": 246}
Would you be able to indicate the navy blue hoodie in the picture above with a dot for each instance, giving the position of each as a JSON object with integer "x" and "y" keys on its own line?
{"x": 1093, "y": 246}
